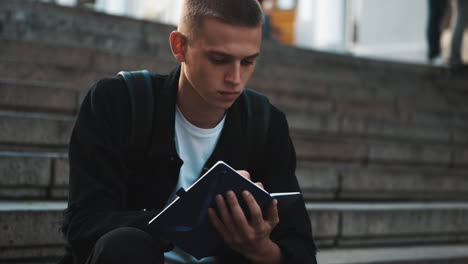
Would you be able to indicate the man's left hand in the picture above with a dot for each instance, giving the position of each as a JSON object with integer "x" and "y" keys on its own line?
{"x": 251, "y": 238}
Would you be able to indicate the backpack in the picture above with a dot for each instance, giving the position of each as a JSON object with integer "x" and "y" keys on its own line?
{"x": 140, "y": 88}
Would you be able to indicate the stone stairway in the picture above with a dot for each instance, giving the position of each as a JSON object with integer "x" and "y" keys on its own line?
{"x": 382, "y": 147}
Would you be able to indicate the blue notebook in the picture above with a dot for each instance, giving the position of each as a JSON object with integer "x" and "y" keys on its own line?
{"x": 185, "y": 222}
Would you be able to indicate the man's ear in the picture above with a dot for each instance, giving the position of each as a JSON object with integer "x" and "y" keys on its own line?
{"x": 178, "y": 43}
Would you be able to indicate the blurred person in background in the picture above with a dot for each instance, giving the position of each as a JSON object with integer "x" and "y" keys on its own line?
{"x": 437, "y": 10}
{"x": 267, "y": 27}
{"x": 459, "y": 25}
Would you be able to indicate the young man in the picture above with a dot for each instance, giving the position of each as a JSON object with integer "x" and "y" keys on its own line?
{"x": 200, "y": 117}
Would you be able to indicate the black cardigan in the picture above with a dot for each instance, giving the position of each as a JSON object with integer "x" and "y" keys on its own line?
{"x": 107, "y": 193}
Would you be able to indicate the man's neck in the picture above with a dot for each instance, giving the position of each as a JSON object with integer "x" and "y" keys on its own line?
{"x": 198, "y": 117}
{"x": 196, "y": 110}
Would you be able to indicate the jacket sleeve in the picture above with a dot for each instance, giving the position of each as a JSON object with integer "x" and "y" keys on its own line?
{"x": 98, "y": 175}
{"x": 293, "y": 234}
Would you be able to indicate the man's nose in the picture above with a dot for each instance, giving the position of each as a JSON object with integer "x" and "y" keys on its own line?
{"x": 233, "y": 75}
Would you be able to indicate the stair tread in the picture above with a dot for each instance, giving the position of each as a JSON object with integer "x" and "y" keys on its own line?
{"x": 392, "y": 254}
{"x": 342, "y": 206}
{"x": 32, "y": 205}
{"x": 387, "y": 206}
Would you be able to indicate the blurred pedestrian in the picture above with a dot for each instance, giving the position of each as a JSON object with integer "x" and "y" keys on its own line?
{"x": 267, "y": 27}
{"x": 437, "y": 10}
{"x": 459, "y": 25}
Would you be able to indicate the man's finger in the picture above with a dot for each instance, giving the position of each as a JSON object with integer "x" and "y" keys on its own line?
{"x": 272, "y": 214}
{"x": 224, "y": 213}
{"x": 256, "y": 216}
{"x": 236, "y": 211}
{"x": 216, "y": 222}
{"x": 259, "y": 184}
{"x": 244, "y": 173}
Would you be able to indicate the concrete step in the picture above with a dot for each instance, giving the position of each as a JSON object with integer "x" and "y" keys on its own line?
{"x": 355, "y": 125}
{"x": 402, "y": 100}
{"x": 38, "y": 129}
{"x": 375, "y": 76}
{"x": 82, "y": 57}
{"x": 28, "y": 175}
{"x": 78, "y": 78}
{"x": 372, "y": 224}
{"x": 297, "y": 104}
{"x": 82, "y": 28}
{"x": 43, "y": 96}
{"x": 434, "y": 254}
{"x": 315, "y": 59}
{"x": 107, "y": 61}
{"x": 35, "y": 149}
{"x": 21, "y": 95}
{"x": 354, "y": 81}
{"x": 38, "y": 96}
{"x": 292, "y": 101}
{"x": 33, "y": 175}
{"x": 351, "y": 181}
{"x": 455, "y": 119}
{"x": 316, "y": 137}
{"x": 340, "y": 148}
{"x": 342, "y": 97}
{"x": 30, "y": 229}
{"x": 87, "y": 29}
{"x": 396, "y": 101}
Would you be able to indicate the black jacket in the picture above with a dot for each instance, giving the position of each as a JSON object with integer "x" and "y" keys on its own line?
{"x": 107, "y": 192}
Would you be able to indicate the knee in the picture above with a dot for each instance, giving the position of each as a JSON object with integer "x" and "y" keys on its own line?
{"x": 127, "y": 245}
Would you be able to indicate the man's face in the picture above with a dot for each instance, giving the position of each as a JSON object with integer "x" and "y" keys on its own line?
{"x": 219, "y": 61}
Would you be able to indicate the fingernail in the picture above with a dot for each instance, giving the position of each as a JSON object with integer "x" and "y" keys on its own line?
{"x": 246, "y": 193}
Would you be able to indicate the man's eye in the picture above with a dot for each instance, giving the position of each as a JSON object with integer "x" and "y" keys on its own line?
{"x": 218, "y": 61}
{"x": 247, "y": 62}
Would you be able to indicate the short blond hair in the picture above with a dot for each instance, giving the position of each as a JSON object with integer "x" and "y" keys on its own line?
{"x": 234, "y": 12}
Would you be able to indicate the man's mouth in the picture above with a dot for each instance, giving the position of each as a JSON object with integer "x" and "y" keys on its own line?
{"x": 229, "y": 95}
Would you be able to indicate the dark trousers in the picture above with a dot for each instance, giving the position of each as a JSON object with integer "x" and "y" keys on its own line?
{"x": 437, "y": 10}
{"x": 126, "y": 245}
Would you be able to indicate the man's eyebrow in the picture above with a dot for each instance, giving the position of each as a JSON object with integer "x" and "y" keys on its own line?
{"x": 253, "y": 56}
{"x": 223, "y": 54}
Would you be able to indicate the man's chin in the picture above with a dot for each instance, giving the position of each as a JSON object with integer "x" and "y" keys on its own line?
{"x": 225, "y": 105}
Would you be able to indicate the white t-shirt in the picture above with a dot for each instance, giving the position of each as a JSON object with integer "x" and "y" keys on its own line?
{"x": 194, "y": 146}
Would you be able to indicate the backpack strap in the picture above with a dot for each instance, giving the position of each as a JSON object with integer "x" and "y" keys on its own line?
{"x": 140, "y": 88}
{"x": 258, "y": 121}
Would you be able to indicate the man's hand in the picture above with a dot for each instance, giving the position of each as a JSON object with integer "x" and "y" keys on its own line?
{"x": 246, "y": 174}
{"x": 251, "y": 238}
